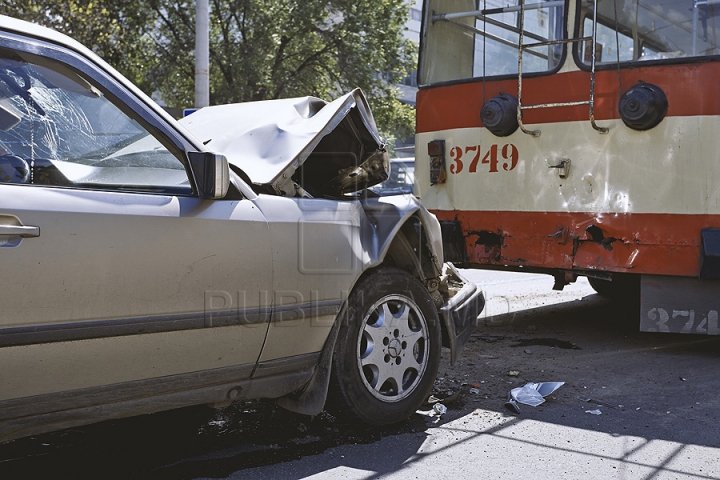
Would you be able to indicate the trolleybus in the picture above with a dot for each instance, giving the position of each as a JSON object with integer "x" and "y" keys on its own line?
{"x": 578, "y": 138}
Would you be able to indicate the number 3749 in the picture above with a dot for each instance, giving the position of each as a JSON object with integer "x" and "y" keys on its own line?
{"x": 492, "y": 157}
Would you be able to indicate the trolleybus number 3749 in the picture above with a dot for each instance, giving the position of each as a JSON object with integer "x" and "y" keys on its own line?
{"x": 474, "y": 153}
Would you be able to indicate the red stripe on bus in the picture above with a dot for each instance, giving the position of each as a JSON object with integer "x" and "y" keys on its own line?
{"x": 658, "y": 244}
{"x": 691, "y": 89}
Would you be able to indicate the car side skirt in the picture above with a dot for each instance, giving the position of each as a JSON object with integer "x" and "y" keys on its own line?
{"x": 44, "y": 413}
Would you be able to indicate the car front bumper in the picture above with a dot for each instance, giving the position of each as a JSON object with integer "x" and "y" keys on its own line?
{"x": 461, "y": 311}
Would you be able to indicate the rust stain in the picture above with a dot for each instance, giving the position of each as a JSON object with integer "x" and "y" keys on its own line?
{"x": 487, "y": 245}
{"x": 659, "y": 244}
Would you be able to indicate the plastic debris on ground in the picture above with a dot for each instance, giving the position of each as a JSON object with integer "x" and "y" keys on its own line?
{"x": 439, "y": 409}
{"x": 530, "y": 394}
{"x": 593, "y": 412}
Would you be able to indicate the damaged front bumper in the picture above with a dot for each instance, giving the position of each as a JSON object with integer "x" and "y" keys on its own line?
{"x": 460, "y": 312}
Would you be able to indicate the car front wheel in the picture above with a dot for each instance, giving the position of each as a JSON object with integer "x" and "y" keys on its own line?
{"x": 388, "y": 349}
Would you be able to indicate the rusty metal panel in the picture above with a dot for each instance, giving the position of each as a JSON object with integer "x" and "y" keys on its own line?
{"x": 679, "y": 305}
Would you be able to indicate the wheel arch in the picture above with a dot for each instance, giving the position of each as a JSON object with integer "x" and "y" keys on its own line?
{"x": 400, "y": 230}
{"x": 397, "y": 232}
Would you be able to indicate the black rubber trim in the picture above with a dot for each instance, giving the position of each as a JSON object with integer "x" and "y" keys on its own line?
{"x": 70, "y": 331}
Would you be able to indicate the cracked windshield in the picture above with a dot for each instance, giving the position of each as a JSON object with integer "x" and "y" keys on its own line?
{"x": 70, "y": 134}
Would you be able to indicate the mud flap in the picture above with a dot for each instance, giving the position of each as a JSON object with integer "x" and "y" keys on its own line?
{"x": 710, "y": 254}
{"x": 310, "y": 400}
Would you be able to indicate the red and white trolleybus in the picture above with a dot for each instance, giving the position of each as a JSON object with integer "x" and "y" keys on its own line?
{"x": 578, "y": 137}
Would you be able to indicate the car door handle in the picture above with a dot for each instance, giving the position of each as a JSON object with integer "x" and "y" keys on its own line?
{"x": 24, "y": 231}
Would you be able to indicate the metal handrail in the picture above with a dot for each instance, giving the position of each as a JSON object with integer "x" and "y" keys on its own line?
{"x": 522, "y": 47}
{"x": 491, "y": 36}
{"x": 557, "y": 104}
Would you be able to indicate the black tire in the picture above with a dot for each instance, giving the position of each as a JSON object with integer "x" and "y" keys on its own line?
{"x": 387, "y": 384}
{"x": 623, "y": 287}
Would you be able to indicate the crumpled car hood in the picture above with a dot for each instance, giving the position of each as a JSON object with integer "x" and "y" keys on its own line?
{"x": 269, "y": 140}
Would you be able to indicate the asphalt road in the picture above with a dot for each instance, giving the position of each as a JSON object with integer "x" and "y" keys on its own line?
{"x": 634, "y": 405}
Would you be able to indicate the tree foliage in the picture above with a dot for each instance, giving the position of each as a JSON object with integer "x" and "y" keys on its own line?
{"x": 115, "y": 30}
{"x": 259, "y": 49}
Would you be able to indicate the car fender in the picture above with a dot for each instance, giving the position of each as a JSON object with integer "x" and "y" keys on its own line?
{"x": 385, "y": 216}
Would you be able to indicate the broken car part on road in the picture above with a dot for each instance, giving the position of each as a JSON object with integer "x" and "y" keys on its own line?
{"x": 530, "y": 394}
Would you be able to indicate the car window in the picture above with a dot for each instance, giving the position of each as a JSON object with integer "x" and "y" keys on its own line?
{"x": 463, "y": 42}
{"x": 64, "y": 131}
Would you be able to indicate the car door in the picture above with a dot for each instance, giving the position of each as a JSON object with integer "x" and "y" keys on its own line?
{"x": 115, "y": 273}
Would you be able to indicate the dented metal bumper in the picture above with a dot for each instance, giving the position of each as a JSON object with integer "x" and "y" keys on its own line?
{"x": 461, "y": 311}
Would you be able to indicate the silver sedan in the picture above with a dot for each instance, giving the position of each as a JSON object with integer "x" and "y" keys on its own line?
{"x": 150, "y": 264}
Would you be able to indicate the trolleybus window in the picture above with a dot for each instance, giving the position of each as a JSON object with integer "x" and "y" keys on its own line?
{"x": 650, "y": 30}
{"x": 474, "y": 38}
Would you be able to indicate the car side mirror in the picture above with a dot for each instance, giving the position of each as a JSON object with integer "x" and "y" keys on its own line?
{"x": 212, "y": 174}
